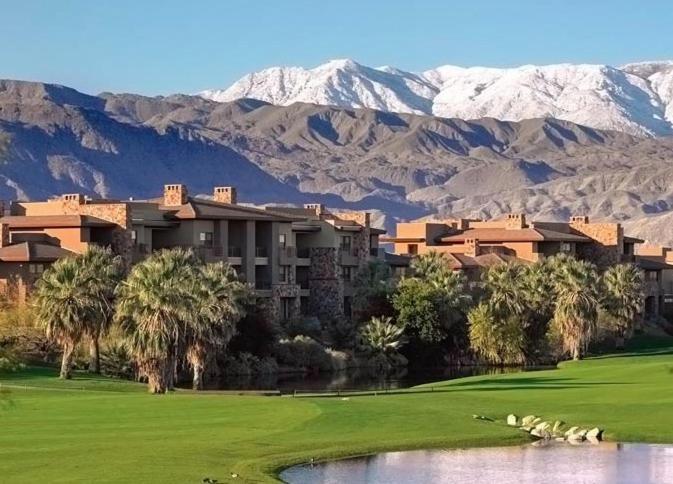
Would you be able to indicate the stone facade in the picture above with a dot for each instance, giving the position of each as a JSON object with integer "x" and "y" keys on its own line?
{"x": 325, "y": 284}
{"x": 225, "y": 195}
{"x": 175, "y": 195}
{"x": 608, "y": 241}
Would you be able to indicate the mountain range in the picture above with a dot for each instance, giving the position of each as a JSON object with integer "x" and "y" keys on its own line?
{"x": 635, "y": 98}
{"x": 399, "y": 165}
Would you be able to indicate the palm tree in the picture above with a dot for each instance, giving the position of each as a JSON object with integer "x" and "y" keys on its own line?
{"x": 430, "y": 265}
{"x": 623, "y": 298}
{"x": 154, "y": 306}
{"x": 381, "y": 337}
{"x": 219, "y": 306}
{"x": 63, "y": 304}
{"x": 498, "y": 340}
{"x": 577, "y": 304}
{"x": 505, "y": 286}
{"x": 104, "y": 271}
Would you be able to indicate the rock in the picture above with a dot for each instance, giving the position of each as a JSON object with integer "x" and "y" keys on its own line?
{"x": 595, "y": 433}
{"x": 574, "y": 438}
{"x": 527, "y": 420}
{"x": 543, "y": 426}
{"x": 526, "y": 428}
{"x": 571, "y": 431}
{"x": 512, "y": 420}
{"x": 582, "y": 433}
{"x": 560, "y": 439}
{"x": 541, "y": 433}
{"x": 557, "y": 426}
{"x": 593, "y": 440}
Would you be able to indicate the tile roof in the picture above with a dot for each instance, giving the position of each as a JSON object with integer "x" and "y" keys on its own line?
{"x": 38, "y": 221}
{"x": 32, "y": 252}
{"x": 514, "y": 235}
{"x": 201, "y": 208}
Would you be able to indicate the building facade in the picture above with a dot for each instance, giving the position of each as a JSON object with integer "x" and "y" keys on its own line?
{"x": 300, "y": 261}
{"x": 472, "y": 245}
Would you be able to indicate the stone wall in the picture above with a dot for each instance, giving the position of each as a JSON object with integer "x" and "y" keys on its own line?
{"x": 284, "y": 291}
{"x": 608, "y": 241}
{"x": 325, "y": 284}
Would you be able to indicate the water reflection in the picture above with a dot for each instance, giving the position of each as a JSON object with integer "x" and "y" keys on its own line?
{"x": 558, "y": 463}
{"x": 360, "y": 379}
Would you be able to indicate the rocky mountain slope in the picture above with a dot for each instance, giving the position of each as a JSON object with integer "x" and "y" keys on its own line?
{"x": 636, "y": 98}
{"x": 401, "y": 165}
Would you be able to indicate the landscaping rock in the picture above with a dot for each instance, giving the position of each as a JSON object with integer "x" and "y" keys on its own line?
{"x": 527, "y": 420}
{"x": 595, "y": 433}
{"x": 557, "y": 426}
{"x": 512, "y": 420}
{"x": 571, "y": 431}
{"x": 543, "y": 426}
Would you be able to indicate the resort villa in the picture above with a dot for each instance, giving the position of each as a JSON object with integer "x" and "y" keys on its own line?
{"x": 471, "y": 245}
{"x": 300, "y": 260}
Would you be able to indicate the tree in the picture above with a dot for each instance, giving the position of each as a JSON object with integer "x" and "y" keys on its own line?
{"x": 104, "y": 271}
{"x": 498, "y": 340}
{"x": 155, "y": 304}
{"x": 430, "y": 265}
{"x": 382, "y": 339}
{"x": 373, "y": 288}
{"x": 576, "y": 307}
{"x": 623, "y": 297}
{"x": 63, "y": 304}
{"x": 428, "y": 308}
{"x": 219, "y": 306}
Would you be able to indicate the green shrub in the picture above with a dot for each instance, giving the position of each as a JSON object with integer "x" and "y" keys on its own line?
{"x": 302, "y": 352}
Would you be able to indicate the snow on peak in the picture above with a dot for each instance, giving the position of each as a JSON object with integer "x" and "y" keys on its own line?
{"x": 635, "y": 98}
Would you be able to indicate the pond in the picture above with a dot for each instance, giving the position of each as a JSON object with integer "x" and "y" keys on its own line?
{"x": 361, "y": 379}
{"x": 606, "y": 463}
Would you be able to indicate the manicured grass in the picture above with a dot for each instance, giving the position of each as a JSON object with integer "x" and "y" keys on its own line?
{"x": 117, "y": 433}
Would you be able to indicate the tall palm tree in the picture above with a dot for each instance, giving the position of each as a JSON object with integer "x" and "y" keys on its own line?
{"x": 623, "y": 298}
{"x": 63, "y": 304}
{"x": 577, "y": 304}
{"x": 104, "y": 271}
{"x": 218, "y": 307}
{"x": 496, "y": 339}
{"x": 155, "y": 304}
{"x": 504, "y": 283}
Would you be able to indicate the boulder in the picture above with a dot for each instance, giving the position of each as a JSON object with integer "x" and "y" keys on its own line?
{"x": 595, "y": 433}
{"x": 536, "y": 421}
{"x": 528, "y": 419}
{"x": 541, "y": 433}
{"x": 512, "y": 420}
{"x": 557, "y": 426}
{"x": 543, "y": 426}
{"x": 571, "y": 431}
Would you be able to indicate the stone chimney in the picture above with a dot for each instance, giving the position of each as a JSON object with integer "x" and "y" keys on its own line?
{"x": 71, "y": 203}
{"x": 515, "y": 221}
{"x": 225, "y": 195}
{"x": 579, "y": 219}
{"x": 472, "y": 247}
{"x": 317, "y": 208}
{"x": 175, "y": 195}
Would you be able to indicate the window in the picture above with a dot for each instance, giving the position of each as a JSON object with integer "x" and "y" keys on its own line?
{"x": 345, "y": 243}
{"x": 652, "y": 275}
{"x": 412, "y": 249}
{"x": 348, "y": 307}
{"x": 284, "y": 274}
{"x": 134, "y": 237}
{"x": 346, "y": 273}
{"x": 286, "y": 308}
{"x": 35, "y": 268}
{"x": 206, "y": 239}
{"x": 282, "y": 241}
{"x": 566, "y": 247}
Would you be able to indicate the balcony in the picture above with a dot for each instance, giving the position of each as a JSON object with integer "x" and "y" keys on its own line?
{"x": 234, "y": 255}
{"x": 209, "y": 253}
{"x": 261, "y": 256}
{"x": 348, "y": 256}
{"x": 287, "y": 256}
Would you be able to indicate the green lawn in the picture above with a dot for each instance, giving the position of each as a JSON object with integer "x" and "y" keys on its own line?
{"x": 52, "y": 431}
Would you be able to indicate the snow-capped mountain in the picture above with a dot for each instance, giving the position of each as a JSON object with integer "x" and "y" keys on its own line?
{"x": 635, "y": 98}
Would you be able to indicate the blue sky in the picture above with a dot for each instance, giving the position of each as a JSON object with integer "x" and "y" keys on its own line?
{"x": 161, "y": 47}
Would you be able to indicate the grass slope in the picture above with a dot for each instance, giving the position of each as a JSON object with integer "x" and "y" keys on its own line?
{"x": 51, "y": 432}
